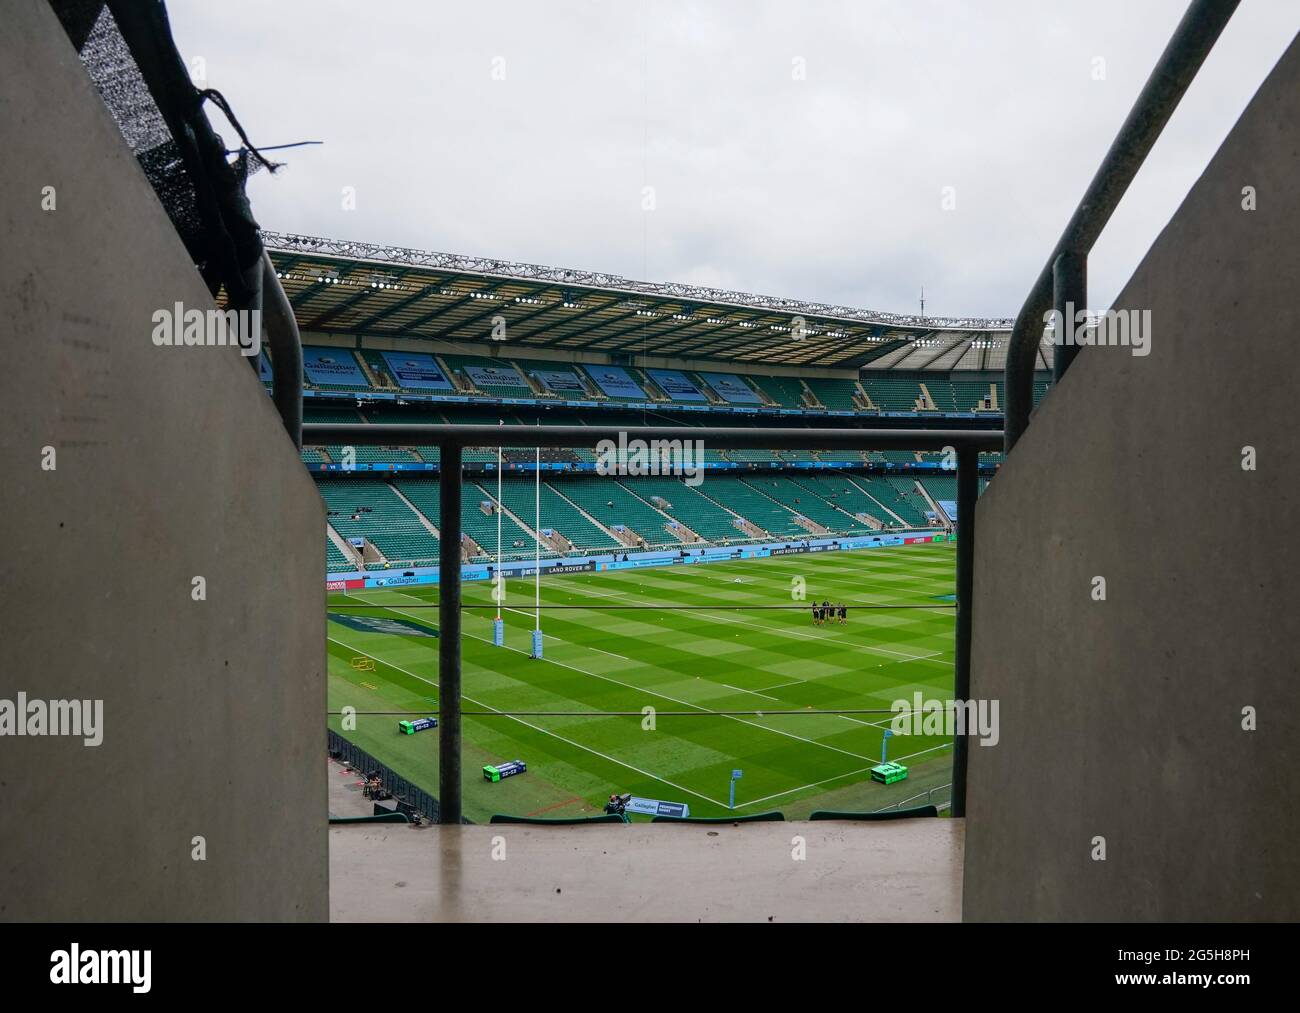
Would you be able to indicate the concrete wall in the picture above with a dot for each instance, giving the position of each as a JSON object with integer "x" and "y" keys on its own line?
{"x": 1123, "y": 718}
{"x": 170, "y": 463}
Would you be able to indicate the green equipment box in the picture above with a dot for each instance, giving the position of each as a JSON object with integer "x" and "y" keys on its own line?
{"x": 888, "y": 773}
{"x": 508, "y": 769}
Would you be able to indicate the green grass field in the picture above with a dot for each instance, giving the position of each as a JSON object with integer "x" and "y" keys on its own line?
{"x": 697, "y": 662}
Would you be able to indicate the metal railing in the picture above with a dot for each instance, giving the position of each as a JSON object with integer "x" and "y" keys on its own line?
{"x": 1064, "y": 279}
{"x": 927, "y": 795}
{"x": 403, "y": 791}
{"x": 452, "y": 439}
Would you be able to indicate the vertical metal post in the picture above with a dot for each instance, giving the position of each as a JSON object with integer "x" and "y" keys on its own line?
{"x": 1069, "y": 296}
{"x": 967, "y": 491}
{"x": 449, "y": 634}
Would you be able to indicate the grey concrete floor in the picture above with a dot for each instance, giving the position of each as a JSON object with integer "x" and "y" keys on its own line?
{"x": 908, "y": 870}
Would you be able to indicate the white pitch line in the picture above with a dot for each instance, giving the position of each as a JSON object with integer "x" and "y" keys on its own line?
{"x": 752, "y": 692}
{"x": 838, "y": 777}
{"x": 544, "y": 731}
{"x": 785, "y": 685}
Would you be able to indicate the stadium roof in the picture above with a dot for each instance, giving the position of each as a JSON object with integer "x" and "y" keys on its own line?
{"x": 391, "y": 291}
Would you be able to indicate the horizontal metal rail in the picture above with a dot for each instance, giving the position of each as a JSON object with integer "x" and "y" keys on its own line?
{"x": 723, "y": 437}
{"x": 1063, "y": 278}
{"x": 666, "y": 607}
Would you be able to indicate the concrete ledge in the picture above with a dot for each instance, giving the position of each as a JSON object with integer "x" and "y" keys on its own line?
{"x": 906, "y": 871}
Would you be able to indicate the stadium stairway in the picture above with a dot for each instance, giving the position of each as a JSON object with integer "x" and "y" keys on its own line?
{"x": 339, "y": 555}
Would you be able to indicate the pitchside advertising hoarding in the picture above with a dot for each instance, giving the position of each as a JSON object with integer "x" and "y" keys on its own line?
{"x": 614, "y": 561}
{"x": 655, "y": 807}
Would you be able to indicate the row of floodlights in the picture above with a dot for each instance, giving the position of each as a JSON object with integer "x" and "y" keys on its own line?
{"x": 332, "y": 278}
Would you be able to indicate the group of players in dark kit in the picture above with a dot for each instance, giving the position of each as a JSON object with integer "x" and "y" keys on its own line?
{"x": 828, "y": 613}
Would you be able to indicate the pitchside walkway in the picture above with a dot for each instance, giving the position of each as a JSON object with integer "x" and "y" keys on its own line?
{"x": 903, "y": 871}
{"x": 345, "y": 794}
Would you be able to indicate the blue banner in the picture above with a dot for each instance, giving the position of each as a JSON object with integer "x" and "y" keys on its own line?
{"x": 675, "y": 385}
{"x": 615, "y": 382}
{"x": 731, "y": 388}
{"x": 418, "y": 370}
{"x": 562, "y": 381}
{"x": 495, "y": 376}
{"x": 335, "y": 366}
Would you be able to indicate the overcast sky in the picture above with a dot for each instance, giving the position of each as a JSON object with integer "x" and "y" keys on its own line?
{"x": 795, "y": 147}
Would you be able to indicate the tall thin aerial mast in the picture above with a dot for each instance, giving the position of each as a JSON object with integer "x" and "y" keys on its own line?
{"x": 499, "y": 591}
{"x": 537, "y": 558}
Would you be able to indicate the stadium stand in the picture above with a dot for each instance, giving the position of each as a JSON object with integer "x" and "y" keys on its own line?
{"x": 890, "y": 393}
{"x": 335, "y": 561}
{"x": 359, "y": 508}
{"x": 756, "y": 507}
{"x": 785, "y": 391}
{"x": 836, "y": 395}
{"x": 476, "y": 523}
{"x": 612, "y": 505}
{"x": 310, "y": 413}
{"x": 884, "y": 492}
{"x": 558, "y": 514}
{"x": 909, "y": 504}
{"x": 972, "y": 395}
{"x": 379, "y": 370}
{"x": 370, "y": 455}
{"x": 687, "y": 505}
{"x": 498, "y": 377}
{"x": 842, "y": 493}
{"x": 941, "y": 487}
{"x": 804, "y": 501}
